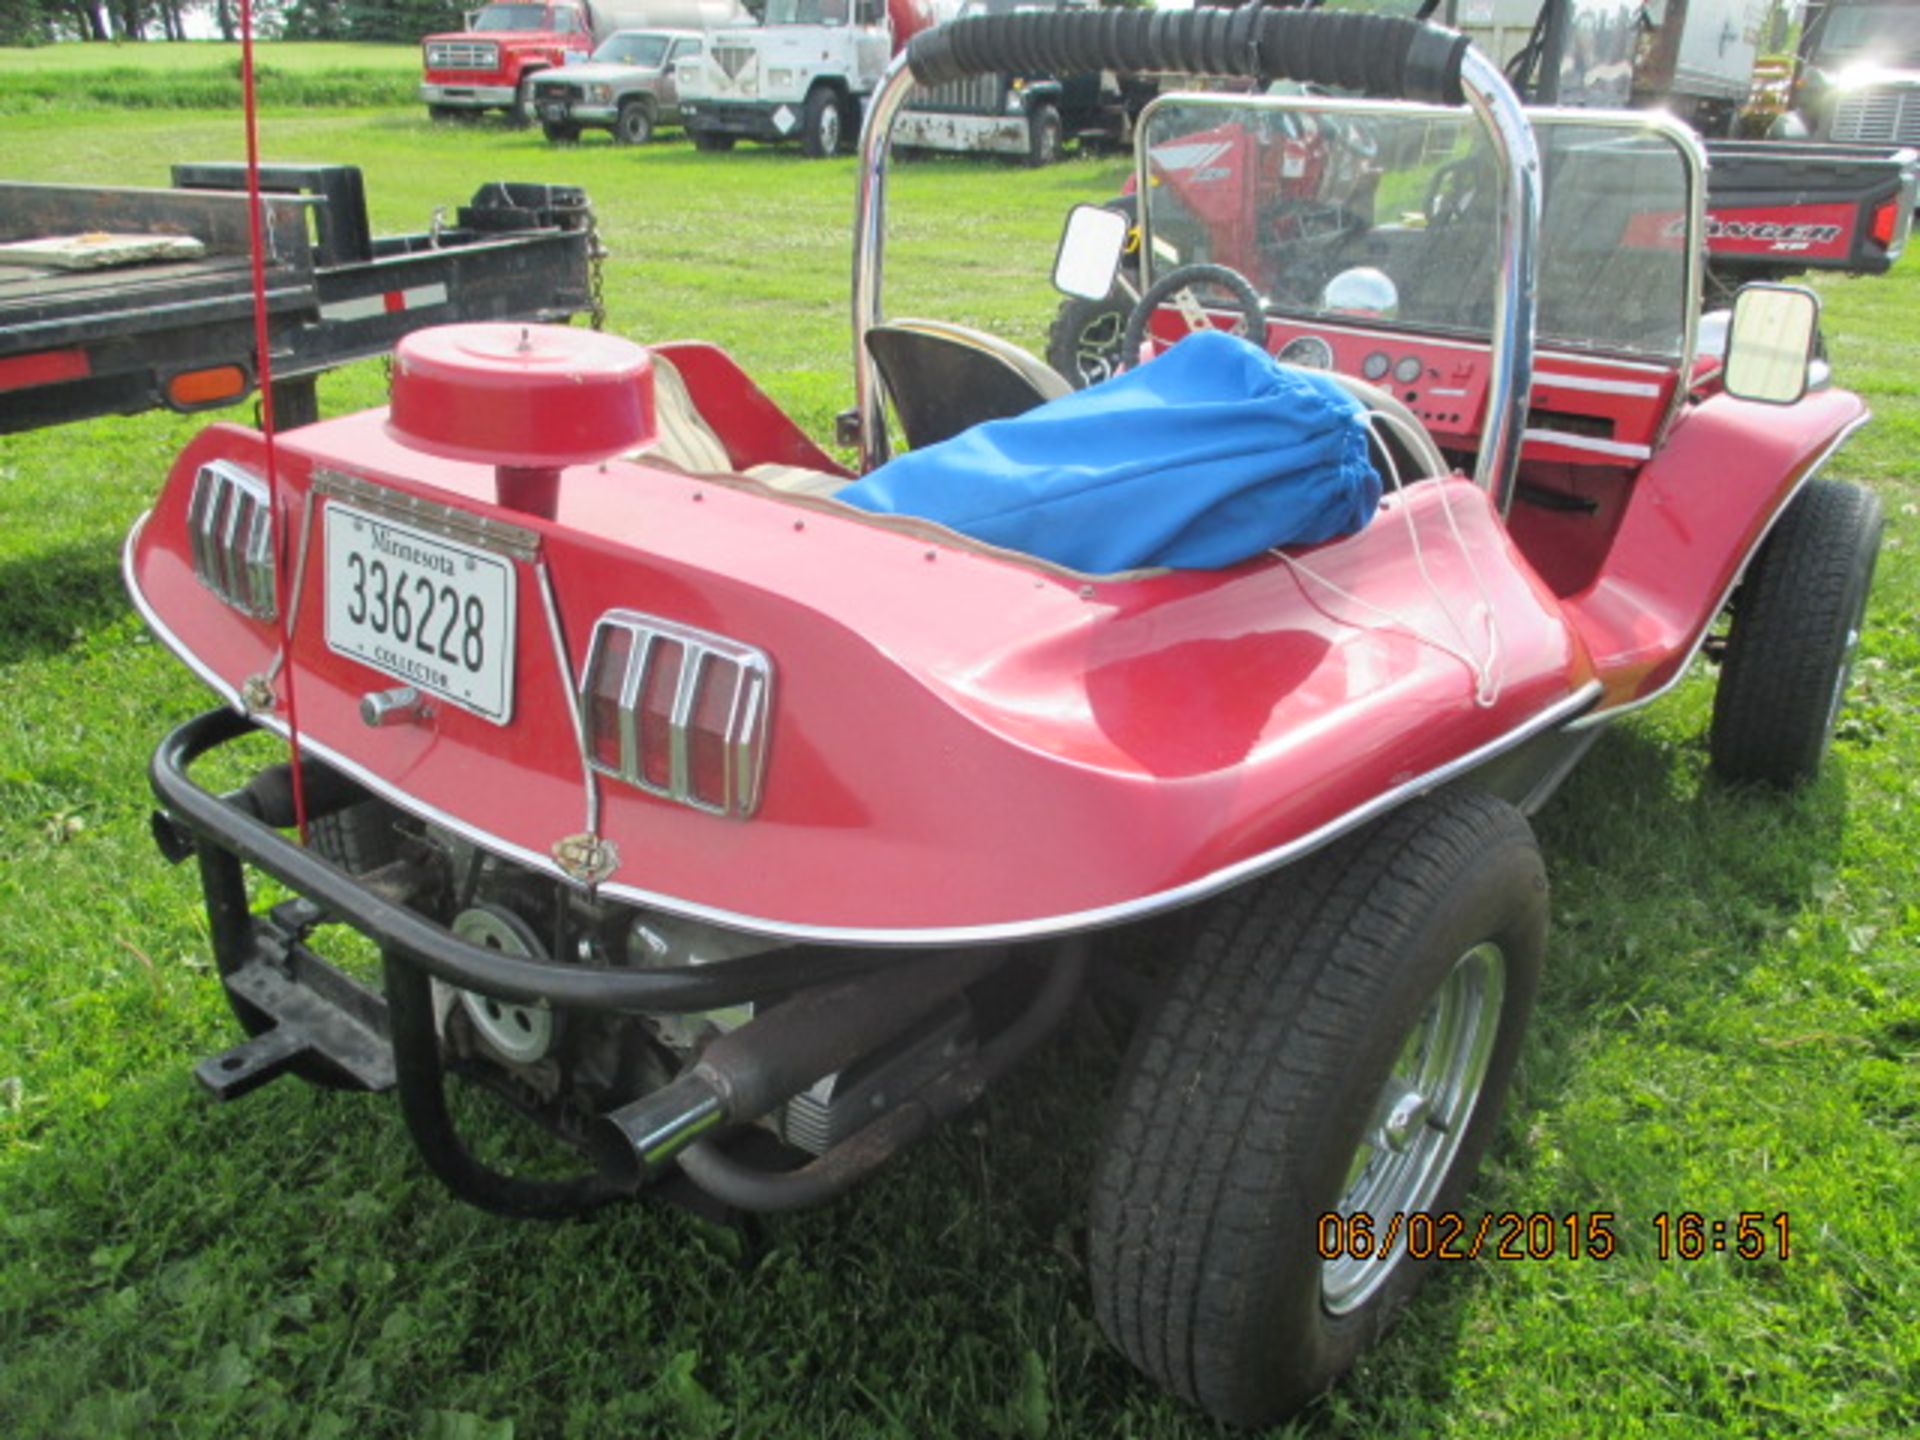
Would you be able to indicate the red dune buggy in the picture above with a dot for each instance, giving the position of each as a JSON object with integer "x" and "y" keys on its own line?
{"x": 737, "y": 833}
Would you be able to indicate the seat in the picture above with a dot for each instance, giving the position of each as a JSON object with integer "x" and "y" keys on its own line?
{"x": 943, "y": 378}
{"x": 686, "y": 441}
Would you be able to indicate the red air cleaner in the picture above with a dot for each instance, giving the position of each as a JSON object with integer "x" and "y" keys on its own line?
{"x": 526, "y": 399}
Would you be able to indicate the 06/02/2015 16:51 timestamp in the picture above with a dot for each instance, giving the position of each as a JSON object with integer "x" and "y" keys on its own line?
{"x": 1546, "y": 1235}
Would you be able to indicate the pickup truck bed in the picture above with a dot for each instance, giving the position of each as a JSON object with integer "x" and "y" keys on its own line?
{"x": 76, "y": 344}
{"x": 1776, "y": 208}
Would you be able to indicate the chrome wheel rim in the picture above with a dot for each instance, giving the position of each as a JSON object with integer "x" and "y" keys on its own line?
{"x": 1417, "y": 1123}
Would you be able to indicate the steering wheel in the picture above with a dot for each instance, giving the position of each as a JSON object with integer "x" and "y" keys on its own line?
{"x": 1179, "y": 279}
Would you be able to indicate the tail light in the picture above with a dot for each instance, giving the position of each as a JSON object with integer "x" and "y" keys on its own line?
{"x": 678, "y": 712}
{"x": 230, "y": 526}
{"x": 1886, "y": 219}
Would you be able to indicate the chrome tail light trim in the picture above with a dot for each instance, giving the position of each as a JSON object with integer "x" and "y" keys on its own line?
{"x": 230, "y": 531}
{"x": 703, "y": 660}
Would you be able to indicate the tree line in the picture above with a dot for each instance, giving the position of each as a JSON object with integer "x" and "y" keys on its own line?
{"x": 39, "y": 22}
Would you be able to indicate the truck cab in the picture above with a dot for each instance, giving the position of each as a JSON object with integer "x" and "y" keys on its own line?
{"x": 491, "y": 64}
{"x": 801, "y": 74}
{"x": 1859, "y": 74}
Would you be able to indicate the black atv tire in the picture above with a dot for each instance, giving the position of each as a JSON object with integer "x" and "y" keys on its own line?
{"x": 1265, "y": 1094}
{"x": 1083, "y": 343}
{"x": 1796, "y": 624}
{"x": 359, "y": 839}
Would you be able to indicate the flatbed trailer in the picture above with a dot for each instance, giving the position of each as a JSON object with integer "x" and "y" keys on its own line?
{"x": 179, "y": 333}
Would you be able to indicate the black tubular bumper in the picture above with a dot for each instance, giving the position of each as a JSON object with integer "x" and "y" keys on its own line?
{"x": 227, "y": 834}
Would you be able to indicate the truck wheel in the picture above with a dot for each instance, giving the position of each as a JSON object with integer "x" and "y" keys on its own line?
{"x": 634, "y": 125}
{"x": 520, "y": 113}
{"x": 1045, "y": 136}
{"x": 560, "y": 132}
{"x": 1796, "y": 624}
{"x": 1083, "y": 342}
{"x": 1331, "y": 1056}
{"x": 822, "y": 126}
{"x": 711, "y": 142}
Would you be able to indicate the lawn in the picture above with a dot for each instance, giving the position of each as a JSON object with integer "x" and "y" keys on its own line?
{"x": 1729, "y": 1020}
{"x": 202, "y": 73}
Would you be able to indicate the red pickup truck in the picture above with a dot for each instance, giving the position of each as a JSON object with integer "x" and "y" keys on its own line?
{"x": 490, "y": 65}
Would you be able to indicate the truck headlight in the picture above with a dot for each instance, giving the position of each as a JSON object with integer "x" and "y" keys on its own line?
{"x": 599, "y": 94}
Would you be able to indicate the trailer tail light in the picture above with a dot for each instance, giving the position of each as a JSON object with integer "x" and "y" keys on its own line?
{"x": 677, "y": 712}
{"x": 201, "y": 389}
{"x": 1886, "y": 220}
{"x": 230, "y": 526}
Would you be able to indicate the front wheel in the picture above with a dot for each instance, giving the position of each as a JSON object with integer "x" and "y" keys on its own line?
{"x": 822, "y": 127}
{"x": 635, "y": 124}
{"x": 1336, "y": 1047}
{"x": 1045, "y": 137}
{"x": 1796, "y": 624}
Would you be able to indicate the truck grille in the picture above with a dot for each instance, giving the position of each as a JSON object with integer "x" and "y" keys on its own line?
{"x": 736, "y": 62}
{"x": 975, "y": 95}
{"x": 554, "y": 90}
{"x": 463, "y": 55}
{"x": 1884, "y": 115}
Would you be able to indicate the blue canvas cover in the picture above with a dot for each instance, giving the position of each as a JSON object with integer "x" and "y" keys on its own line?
{"x": 1204, "y": 456}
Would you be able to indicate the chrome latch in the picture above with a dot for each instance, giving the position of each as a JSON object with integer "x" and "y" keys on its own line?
{"x": 587, "y": 859}
{"x": 402, "y": 705}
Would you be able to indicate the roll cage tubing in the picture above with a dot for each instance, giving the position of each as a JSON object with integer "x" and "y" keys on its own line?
{"x": 1382, "y": 56}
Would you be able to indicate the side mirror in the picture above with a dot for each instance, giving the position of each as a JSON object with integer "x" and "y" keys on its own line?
{"x": 1091, "y": 244}
{"x": 1770, "y": 343}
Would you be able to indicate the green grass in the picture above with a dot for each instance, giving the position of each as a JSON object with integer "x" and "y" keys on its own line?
{"x": 1729, "y": 1022}
{"x": 203, "y": 74}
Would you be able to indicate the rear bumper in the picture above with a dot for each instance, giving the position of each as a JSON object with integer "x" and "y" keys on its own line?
{"x": 965, "y": 134}
{"x": 469, "y": 97}
{"x": 228, "y": 837}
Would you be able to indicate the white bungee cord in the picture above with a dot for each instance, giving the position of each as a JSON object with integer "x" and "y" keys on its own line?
{"x": 1487, "y": 672}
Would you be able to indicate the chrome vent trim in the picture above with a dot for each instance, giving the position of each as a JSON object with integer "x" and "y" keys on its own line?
{"x": 745, "y": 733}
{"x": 230, "y": 529}
{"x": 973, "y": 95}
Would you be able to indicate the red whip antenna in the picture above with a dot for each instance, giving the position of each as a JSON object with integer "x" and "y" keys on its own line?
{"x": 256, "y": 214}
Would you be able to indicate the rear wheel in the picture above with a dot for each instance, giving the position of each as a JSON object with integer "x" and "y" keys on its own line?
{"x": 711, "y": 142}
{"x": 1045, "y": 137}
{"x": 1796, "y": 624}
{"x": 822, "y": 126}
{"x": 634, "y": 125}
{"x": 1335, "y": 1047}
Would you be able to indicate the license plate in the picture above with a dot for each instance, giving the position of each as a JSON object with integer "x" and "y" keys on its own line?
{"x": 427, "y": 610}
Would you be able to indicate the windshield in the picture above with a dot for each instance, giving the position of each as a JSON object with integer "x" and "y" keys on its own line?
{"x": 1889, "y": 34}
{"x": 1294, "y": 198}
{"x": 511, "y": 17}
{"x": 806, "y": 12}
{"x": 631, "y": 47}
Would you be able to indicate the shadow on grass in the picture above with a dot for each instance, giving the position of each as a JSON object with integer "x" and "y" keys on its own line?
{"x": 53, "y": 599}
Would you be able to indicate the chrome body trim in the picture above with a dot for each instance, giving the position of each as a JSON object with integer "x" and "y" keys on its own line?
{"x": 1593, "y": 445}
{"x": 502, "y": 537}
{"x": 1564, "y": 713}
{"x": 745, "y": 731}
{"x": 1626, "y": 707}
{"x": 570, "y": 686}
{"x": 230, "y": 533}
